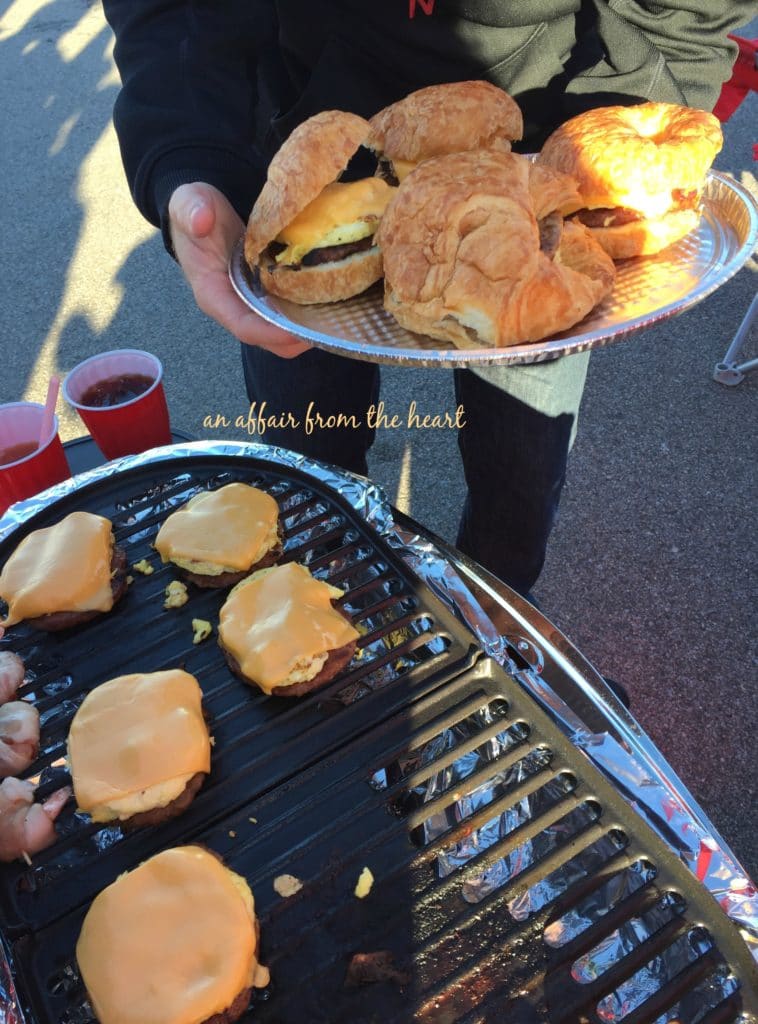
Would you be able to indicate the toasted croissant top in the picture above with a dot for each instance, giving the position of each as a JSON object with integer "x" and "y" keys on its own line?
{"x": 635, "y": 156}
{"x": 450, "y": 118}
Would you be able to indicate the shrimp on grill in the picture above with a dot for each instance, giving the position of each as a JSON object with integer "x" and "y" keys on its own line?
{"x": 11, "y": 675}
{"x": 19, "y": 737}
{"x": 27, "y": 827}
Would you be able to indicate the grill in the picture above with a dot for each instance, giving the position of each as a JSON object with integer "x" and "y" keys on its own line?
{"x": 512, "y": 882}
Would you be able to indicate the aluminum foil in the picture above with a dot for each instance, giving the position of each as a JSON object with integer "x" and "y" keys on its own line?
{"x": 10, "y": 1012}
{"x": 622, "y": 752}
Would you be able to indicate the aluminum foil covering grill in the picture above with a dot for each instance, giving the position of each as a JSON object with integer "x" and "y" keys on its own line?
{"x": 623, "y": 753}
{"x": 646, "y": 291}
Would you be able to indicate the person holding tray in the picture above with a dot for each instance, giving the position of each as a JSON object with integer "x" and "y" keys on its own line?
{"x": 211, "y": 90}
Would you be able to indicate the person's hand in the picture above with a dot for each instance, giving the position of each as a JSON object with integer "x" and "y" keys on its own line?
{"x": 204, "y": 229}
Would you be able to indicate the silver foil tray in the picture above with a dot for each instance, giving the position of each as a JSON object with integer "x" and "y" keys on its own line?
{"x": 647, "y": 289}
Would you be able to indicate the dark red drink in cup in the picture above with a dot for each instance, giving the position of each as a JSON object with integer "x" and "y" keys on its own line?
{"x": 28, "y": 463}
{"x": 119, "y": 396}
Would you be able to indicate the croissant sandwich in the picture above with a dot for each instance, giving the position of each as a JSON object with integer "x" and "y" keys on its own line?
{"x": 476, "y": 252}
{"x": 310, "y": 235}
{"x": 641, "y": 172}
{"x": 452, "y": 118}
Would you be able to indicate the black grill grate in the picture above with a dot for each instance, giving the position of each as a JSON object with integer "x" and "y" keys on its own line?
{"x": 522, "y": 950}
{"x": 408, "y": 643}
{"x": 512, "y": 882}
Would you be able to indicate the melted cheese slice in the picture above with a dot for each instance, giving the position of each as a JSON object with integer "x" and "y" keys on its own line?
{"x": 172, "y": 942}
{"x": 136, "y": 741}
{"x": 346, "y": 211}
{"x": 403, "y": 168}
{"x": 64, "y": 568}
{"x": 227, "y": 530}
{"x": 279, "y": 625}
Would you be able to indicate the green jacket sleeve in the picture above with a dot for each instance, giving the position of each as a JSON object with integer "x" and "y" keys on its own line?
{"x": 672, "y": 51}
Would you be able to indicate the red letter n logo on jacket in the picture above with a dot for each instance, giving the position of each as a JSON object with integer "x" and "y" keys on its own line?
{"x": 427, "y": 6}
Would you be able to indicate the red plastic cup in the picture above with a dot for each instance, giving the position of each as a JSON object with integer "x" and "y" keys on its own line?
{"x": 27, "y": 475}
{"x": 132, "y": 426}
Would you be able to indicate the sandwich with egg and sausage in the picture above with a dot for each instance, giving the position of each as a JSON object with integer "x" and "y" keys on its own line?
{"x": 311, "y": 235}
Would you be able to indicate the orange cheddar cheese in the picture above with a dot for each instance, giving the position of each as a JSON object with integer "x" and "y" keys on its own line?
{"x": 136, "y": 741}
{"x": 171, "y": 942}
{"x": 279, "y": 625}
{"x": 63, "y": 568}
{"x": 227, "y": 530}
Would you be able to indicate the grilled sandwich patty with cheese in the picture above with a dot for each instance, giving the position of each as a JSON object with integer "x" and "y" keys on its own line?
{"x": 220, "y": 536}
{"x": 311, "y": 236}
{"x": 280, "y": 631}
{"x": 64, "y": 575}
{"x": 138, "y": 748}
{"x": 174, "y": 941}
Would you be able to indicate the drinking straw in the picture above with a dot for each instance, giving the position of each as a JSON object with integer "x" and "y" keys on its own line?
{"x": 50, "y": 402}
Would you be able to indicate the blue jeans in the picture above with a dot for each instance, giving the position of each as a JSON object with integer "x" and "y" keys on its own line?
{"x": 519, "y": 426}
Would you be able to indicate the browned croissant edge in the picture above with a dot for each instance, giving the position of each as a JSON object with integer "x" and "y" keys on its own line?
{"x": 336, "y": 660}
{"x": 56, "y": 621}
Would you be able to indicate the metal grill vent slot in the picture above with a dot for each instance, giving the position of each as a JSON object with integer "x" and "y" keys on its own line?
{"x": 493, "y": 792}
{"x": 592, "y": 856}
{"x": 600, "y": 902}
{"x": 80, "y": 1014}
{"x": 632, "y": 934}
{"x": 685, "y": 958}
{"x": 452, "y": 753}
{"x": 65, "y": 982}
{"x": 501, "y": 868}
{"x": 717, "y": 993}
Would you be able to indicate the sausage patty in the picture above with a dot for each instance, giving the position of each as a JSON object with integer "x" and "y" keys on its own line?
{"x": 608, "y": 217}
{"x": 233, "y": 1012}
{"x": 333, "y": 253}
{"x": 326, "y": 254}
{"x": 612, "y": 217}
{"x": 551, "y": 230}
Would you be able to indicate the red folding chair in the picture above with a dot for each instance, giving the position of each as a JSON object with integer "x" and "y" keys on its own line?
{"x": 744, "y": 80}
